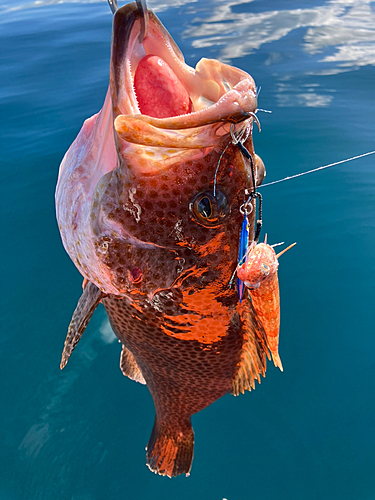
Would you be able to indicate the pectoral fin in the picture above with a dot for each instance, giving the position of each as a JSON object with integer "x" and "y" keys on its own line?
{"x": 129, "y": 366}
{"x": 88, "y": 302}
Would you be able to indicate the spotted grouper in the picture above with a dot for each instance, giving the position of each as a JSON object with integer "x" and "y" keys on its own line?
{"x": 148, "y": 205}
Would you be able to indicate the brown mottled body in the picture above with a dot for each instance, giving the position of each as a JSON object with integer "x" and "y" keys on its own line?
{"x": 157, "y": 244}
{"x": 188, "y": 339}
{"x": 183, "y": 376}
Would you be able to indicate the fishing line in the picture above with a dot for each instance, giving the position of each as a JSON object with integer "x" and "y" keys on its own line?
{"x": 218, "y": 165}
{"x": 316, "y": 169}
{"x": 242, "y": 136}
{"x": 246, "y": 208}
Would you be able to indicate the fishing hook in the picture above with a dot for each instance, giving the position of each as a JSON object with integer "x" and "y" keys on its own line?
{"x": 142, "y": 9}
{"x": 255, "y": 118}
{"x": 240, "y": 136}
{"x": 113, "y": 5}
{"x": 245, "y": 207}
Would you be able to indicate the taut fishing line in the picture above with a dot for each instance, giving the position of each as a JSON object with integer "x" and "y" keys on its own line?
{"x": 316, "y": 169}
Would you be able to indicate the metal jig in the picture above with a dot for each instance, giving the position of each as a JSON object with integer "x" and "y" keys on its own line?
{"x": 244, "y": 208}
{"x": 247, "y": 207}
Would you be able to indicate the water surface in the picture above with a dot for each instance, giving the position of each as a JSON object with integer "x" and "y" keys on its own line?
{"x": 306, "y": 433}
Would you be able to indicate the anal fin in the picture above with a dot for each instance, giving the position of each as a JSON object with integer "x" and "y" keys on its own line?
{"x": 254, "y": 351}
{"x": 129, "y": 366}
{"x": 170, "y": 448}
{"x": 88, "y": 302}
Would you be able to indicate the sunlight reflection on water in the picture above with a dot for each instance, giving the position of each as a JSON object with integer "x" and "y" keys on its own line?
{"x": 80, "y": 433}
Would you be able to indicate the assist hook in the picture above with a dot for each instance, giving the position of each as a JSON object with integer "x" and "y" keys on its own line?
{"x": 142, "y": 8}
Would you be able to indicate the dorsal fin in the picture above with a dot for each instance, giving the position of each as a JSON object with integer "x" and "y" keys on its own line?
{"x": 88, "y": 302}
{"x": 254, "y": 351}
{"x": 129, "y": 366}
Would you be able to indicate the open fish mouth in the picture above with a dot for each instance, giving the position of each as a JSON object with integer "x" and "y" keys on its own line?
{"x": 158, "y": 100}
{"x": 126, "y": 183}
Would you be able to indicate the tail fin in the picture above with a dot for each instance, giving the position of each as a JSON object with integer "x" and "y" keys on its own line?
{"x": 170, "y": 448}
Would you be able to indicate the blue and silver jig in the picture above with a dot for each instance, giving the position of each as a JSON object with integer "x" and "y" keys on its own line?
{"x": 242, "y": 252}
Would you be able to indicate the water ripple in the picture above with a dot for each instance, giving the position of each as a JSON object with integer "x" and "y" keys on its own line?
{"x": 341, "y": 30}
{"x": 153, "y": 4}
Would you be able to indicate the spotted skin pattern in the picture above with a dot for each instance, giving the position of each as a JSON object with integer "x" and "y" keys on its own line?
{"x": 183, "y": 376}
{"x": 188, "y": 338}
{"x": 156, "y": 246}
{"x": 162, "y": 203}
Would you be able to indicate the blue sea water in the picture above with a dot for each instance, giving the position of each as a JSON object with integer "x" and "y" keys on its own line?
{"x": 307, "y": 433}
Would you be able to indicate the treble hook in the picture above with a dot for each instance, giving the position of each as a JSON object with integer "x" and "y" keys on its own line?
{"x": 142, "y": 8}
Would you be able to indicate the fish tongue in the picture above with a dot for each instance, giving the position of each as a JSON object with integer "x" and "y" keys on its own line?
{"x": 159, "y": 92}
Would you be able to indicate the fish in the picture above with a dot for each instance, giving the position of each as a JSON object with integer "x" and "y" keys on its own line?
{"x": 155, "y": 241}
{"x": 259, "y": 275}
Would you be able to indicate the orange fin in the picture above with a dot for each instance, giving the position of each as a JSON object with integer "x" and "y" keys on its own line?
{"x": 254, "y": 351}
{"x": 88, "y": 302}
{"x": 170, "y": 448}
{"x": 277, "y": 361}
{"x": 129, "y": 366}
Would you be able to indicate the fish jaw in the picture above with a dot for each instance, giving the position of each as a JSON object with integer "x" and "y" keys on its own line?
{"x": 104, "y": 195}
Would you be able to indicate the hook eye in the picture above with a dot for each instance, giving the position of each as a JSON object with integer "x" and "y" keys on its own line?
{"x": 210, "y": 210}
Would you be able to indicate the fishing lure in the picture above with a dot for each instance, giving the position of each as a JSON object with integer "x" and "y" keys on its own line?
{"x": 238, "y": 138}
{"x": 246, "y": 208}
{"x": 259, "y": 275}
{"x": 242, "y": 252}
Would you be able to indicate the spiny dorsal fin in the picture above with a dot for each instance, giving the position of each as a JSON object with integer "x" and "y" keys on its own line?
{"x": 254, "y": 351}
{"x": 88, "y": 302}
{"x": 129, "y": 366}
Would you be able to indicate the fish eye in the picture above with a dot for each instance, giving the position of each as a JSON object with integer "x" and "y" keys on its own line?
{"x": 265, "y": 269}
{"x": 208, "y": 209}
{"x": 204, "y": 207}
